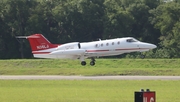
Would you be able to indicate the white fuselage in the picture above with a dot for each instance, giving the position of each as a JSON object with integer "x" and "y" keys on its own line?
{"x": 84, "y": 50}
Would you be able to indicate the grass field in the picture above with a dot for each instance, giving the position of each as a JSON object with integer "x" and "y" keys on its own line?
{"x": 84, "y": 90}
{"x": 102, "y": 67}
{"x": 87, "y": 90}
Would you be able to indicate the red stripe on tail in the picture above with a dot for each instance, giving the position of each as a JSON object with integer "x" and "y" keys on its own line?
{"x": 39, "y": 42}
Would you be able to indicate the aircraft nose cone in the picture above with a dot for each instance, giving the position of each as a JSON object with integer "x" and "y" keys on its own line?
{"x": 146, "y": 46}
{"x": 153, "y": 46}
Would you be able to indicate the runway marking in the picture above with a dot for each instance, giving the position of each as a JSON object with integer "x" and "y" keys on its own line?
{"x": 56, "y": 77}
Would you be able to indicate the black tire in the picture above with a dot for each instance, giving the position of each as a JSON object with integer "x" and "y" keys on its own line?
{"x": 92, "y": 63}
{"x": 83, "y": 63}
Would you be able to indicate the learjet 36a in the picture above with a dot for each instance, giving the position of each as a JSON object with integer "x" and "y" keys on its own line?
{"x": 42, "y": 48}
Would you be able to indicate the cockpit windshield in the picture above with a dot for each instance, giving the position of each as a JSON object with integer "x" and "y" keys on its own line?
{"x": 131, "y": 40}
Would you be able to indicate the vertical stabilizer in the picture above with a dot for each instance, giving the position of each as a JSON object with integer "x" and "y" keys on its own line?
{"x": 39, "y": 42}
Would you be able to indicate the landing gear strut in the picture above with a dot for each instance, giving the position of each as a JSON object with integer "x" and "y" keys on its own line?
{"x": 92, "y": 63}
{"x": 142, "y": 56}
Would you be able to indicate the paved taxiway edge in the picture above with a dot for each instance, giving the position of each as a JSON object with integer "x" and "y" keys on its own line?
{"x": 56, "y": 77}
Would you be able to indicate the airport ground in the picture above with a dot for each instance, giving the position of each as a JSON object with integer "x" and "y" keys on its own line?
{"x": 147, "y": 67}
{"x": 85, "y": 90}
{"x": 88, "y": 90}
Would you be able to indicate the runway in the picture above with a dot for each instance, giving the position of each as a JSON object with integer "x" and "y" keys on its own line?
{"x": 57, "y": 77}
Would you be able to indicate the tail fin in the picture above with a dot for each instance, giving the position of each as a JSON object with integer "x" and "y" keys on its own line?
{"x": 39, "y": 42}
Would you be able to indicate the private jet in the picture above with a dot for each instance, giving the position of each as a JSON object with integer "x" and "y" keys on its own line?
{"x": 42, "y": 48}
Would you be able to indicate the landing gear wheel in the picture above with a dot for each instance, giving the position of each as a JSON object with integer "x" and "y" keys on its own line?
{"x": 83, "y": 63}
{"x": 92, "y": 63}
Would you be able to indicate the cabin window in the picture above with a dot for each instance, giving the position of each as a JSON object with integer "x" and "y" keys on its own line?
{"x": 96, "y": 45}
{"x": 112, "y": 43}
{"x": 107, "y": 44}
{"x": 118, "y": 42}
{"x": 101, "y": 44}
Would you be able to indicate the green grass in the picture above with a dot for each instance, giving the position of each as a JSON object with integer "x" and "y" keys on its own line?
{"x": 85, "y": 90}
{"x": 102, "y": 67}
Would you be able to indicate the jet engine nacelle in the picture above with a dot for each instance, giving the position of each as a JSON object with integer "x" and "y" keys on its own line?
{"x": 74, "y": 45}
{"x": 69, "y": 49}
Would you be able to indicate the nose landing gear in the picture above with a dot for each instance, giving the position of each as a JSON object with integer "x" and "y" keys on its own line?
{"x": 142, "y": 56}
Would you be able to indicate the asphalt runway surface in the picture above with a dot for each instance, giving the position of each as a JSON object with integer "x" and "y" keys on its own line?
{"x": 57, "y": 77}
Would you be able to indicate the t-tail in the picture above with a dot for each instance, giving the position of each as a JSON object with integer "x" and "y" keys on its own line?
{"x": 38, "y": 42}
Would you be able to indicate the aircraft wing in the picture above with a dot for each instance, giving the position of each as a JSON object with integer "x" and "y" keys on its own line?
{"x": 69, "y": 52}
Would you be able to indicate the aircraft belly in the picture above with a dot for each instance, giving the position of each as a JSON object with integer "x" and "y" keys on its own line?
{"x": 56, "y": 56}
{"x": 68, "y": 52}
{"x": 93, "y": 54}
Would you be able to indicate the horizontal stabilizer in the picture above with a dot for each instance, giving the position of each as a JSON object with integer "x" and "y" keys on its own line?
{"x": 22, "y": 37}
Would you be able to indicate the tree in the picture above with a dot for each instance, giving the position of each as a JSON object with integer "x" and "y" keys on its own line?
{"x": 16, "y": 13}
{"x": 142, "y": 28}
{"x": 166, "y": 19}
{"x": 80, "y": 20}
{"x": 42, "y": 20}
{"x": 117, "y": 20}
{"x": 152, "y": 3}
{"x": 7, "y": 41}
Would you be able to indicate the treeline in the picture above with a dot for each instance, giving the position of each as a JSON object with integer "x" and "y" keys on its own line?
{"x": 61, "y": 21}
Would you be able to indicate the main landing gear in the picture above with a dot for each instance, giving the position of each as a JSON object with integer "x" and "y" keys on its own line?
{"x": 83, "y": 63}
{"x": 92, "y": 63}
